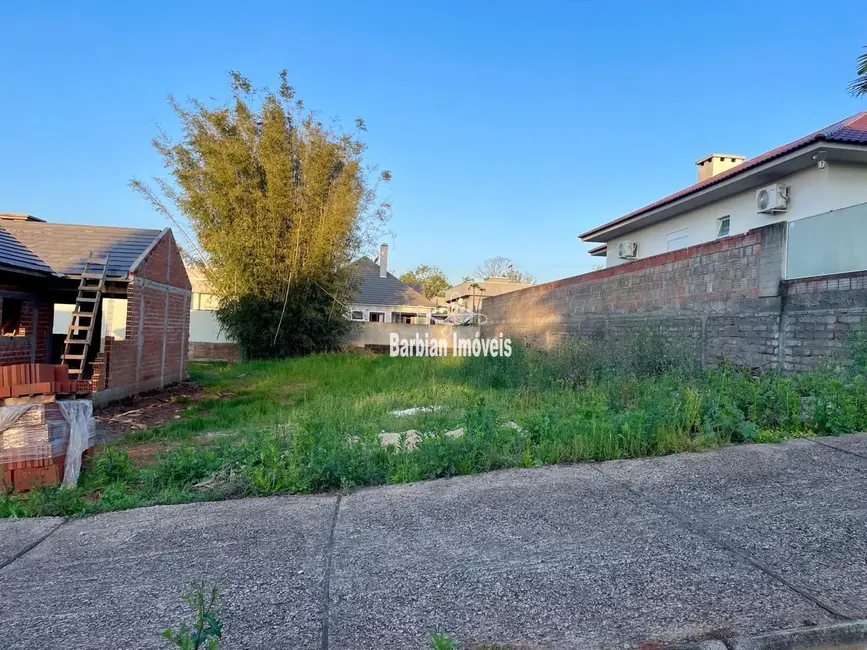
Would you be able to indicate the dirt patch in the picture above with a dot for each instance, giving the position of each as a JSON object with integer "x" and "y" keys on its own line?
{"x": 146, "y": 411}
{"x": 147, "y": 453}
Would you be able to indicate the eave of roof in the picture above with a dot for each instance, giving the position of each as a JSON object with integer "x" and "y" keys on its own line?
{"x": 852, "y": 130}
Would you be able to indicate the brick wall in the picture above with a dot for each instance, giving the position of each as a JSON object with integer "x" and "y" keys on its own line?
{"x": 819, "y": 315}
{"x": 214, "y": 352}
{"x": 727, "y": 297}
{"x": 31, "y": 343}
{"x": 154, "y": 352}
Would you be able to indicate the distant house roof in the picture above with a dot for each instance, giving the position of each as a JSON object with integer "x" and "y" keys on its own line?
{"x": 852, "y": 130}
{"x": 374, "y": 290}
{"x": 484, "y": 288}
{"x": 63, "y": 248}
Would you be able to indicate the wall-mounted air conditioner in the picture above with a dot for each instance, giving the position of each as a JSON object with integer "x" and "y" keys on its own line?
{"x": 773, "y": 198}
{"x": 627, "y": 250}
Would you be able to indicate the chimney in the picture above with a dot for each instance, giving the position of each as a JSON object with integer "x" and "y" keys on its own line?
{"x": 383, "y": 260}
{"x": 716, "y": 163}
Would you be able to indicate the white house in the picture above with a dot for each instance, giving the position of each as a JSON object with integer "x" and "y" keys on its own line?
{"x": 818, "y": 184}
{"x": 382, "y": 298}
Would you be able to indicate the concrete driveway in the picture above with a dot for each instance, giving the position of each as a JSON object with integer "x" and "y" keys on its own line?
{"x": 737, "y": 541}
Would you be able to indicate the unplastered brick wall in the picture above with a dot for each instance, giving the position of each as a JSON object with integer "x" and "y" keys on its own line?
{"x": 214, "y": 352}
{"x": 30, "y": 344}
{"x": 154, "y": 350}
{"x": 726, "y": 298}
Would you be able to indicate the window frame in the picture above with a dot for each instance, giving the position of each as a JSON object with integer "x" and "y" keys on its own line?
{"x": 360, "y": 312}
{"x": 683, "y": 233}
{"x": 727, "y": 219}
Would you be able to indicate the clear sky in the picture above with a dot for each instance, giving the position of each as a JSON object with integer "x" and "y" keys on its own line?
{"x": 509, "y": 127}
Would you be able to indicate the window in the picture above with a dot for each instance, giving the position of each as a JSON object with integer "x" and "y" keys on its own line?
{"x": 357, "y": 315}
{"x": 11, "y": 316}
{"x": 377, "y": 317}
{"x": 402, "y": 317}
{"x": 677, "y": 239}
{"x": 722, "y": 226}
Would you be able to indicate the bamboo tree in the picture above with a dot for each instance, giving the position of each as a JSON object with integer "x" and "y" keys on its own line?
{"x": 278, "y": 204}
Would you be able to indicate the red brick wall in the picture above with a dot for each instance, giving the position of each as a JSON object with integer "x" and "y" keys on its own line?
{"x": 215, "y": 352}
{"x": 31, "y": 344}
{"x": 157, "y": 326}
{"x": 164, "y": 264}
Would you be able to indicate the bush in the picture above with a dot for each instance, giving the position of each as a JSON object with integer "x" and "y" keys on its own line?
{"x": 311, "y": 323}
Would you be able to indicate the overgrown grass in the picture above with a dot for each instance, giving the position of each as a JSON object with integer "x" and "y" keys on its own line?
{"x": 312, "y": 424}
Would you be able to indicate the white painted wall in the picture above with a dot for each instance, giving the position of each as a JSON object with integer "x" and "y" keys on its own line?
{"x": 204, "y": 327}
{"x": 388, "y": 309}
{"x": 811, "y": 191}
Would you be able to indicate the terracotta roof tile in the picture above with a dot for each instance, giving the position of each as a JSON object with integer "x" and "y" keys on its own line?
{"x": 851, "y": 130}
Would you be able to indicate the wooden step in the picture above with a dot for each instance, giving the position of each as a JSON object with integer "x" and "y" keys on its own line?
{"x": 92, "y": 276}
{"x": 89, "y": 314}
{"x": 74, "y": 371}
{"x": 72, "y": 356}
{"x": 77, "y": 341}
{"x": 80, "y": 327}
{"x": 80, "y": 299}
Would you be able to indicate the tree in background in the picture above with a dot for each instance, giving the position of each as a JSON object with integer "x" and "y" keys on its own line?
{"x": 502, "y": 267}
{"x": 279, "y": 204}
{"x": 859, "y": 86}
{"x": 431, "y": 279}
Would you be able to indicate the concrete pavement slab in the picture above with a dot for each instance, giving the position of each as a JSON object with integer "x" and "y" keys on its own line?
{"x": 797, "y": 508}
{"x": 17, "y": 535}
{"x": 854, "y": 444}
{"x": 115, "y": 580}
{"x": 557, "y": 557}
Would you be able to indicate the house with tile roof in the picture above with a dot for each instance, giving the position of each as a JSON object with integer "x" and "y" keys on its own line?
{"x": 140, "y": 322}
{"x": 382, "y": 298}
{"x": 817, "y": 184}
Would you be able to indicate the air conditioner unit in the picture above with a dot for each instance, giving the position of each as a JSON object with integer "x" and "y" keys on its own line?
{"x": 627, "y": 250}
{"x": 773, "y": 198}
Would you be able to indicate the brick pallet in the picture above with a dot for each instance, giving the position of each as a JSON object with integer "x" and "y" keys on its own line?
{"x": 33, "y": 445}
{"x": 29, "y": 379}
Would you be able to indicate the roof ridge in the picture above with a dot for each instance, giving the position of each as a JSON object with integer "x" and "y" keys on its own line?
{"x": 827, "y": 133}
{"x": 842, "y": 124}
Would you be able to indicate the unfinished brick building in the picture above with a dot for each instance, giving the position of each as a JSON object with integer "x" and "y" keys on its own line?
{"x": 141, "y": 322}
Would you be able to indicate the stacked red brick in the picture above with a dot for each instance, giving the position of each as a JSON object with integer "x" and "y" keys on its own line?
{"x": 33, "y": 447}
{"x": 39, "y": 379}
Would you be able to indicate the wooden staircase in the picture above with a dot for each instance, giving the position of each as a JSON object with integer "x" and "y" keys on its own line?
{"x": 80, "y": 333}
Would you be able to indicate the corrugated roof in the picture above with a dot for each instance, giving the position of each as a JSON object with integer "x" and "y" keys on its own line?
{"x": 14, "y": 253}
{"x": 852, "y": 130}
{"x": 65, "y": 247}
{"x": 374, "y": 290}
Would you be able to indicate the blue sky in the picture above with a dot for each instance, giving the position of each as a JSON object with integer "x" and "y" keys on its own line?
{"x": 509, "y": 127}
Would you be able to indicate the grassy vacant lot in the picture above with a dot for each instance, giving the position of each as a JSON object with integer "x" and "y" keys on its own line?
{"x": 312, "y": 424}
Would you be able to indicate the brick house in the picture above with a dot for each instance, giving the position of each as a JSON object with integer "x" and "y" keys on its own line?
{"x": 142, "y": 321}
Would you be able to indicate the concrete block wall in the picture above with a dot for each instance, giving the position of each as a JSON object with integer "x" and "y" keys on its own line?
{"x": 727, "y": 298}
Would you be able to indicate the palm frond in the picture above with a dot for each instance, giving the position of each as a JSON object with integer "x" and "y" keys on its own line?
{"x": 859, "y": 87}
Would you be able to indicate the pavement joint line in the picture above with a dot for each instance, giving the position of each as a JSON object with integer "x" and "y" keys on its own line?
{"x": 815, "y": 441}
{"x": 326, "y": 581}
{"x": 716, "y": 537}
{"x": 31, "y": 546}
